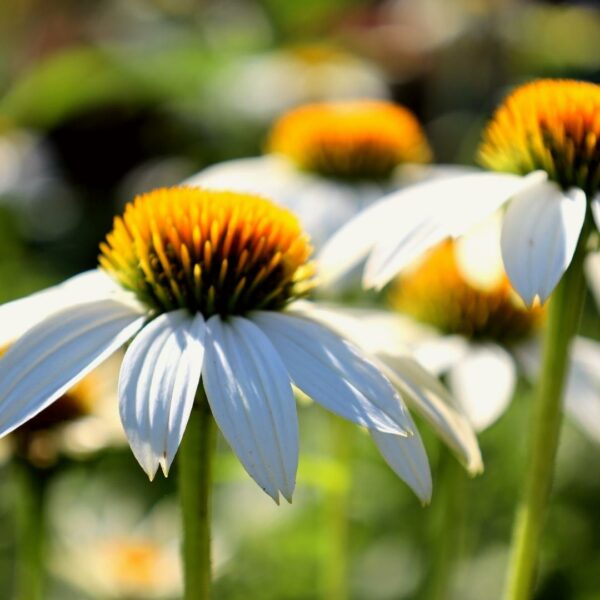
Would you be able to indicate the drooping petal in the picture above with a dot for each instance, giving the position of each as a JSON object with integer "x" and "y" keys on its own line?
{"x": 50, "y": 358}
{"x": 582, "y": 395}
{"x": 424, "y": 215}
{"x": 408, "y": 459}
{"x": 592, "y": 271}
{"x": 483, "y": 382}
{"x": 332, "y": 372}
{"x": 596, "y": 210}
{"x": 18, "y": 316}
{"x": 249, "y": 391}
{"x": 425, "y": 394}
{"x": 420, "y": 388}
{"x": 157, "y": 385}
{"x": 539, "y": 236}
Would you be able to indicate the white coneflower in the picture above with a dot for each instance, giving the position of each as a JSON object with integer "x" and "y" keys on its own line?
{"x": 207, "y": 284}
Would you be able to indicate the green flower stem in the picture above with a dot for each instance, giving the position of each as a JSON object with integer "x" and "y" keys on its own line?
{"x": 31, "y": 530}
{"x": 335, "y": 571}
{"x": 194, "y": 490}
{"x": 563, "y": 319}
{"x": 448, "y": 525}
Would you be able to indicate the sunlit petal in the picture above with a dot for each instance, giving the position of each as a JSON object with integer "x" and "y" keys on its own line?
{"x": 424, "y": 215}
{"x": 539, "y": 236}
{"x": 483, "y": 382}
{"x": 250, "y": 394}
{"x": 333, "y": 372}
{"x": 157, "y": 385}
{"x": 50, "y": 358}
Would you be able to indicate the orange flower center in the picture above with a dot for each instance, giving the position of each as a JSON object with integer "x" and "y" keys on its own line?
{"x": 209, "y": 251}
{"x": 436, "y": 292}
{"x": 552, "y": 125}
{"x": 355, "y": 139}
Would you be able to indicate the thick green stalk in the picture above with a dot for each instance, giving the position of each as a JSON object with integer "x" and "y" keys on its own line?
{"x": 194, "y": 491}
{"x": 563, "y": 318}
{"x": 335, "y": 571}
{"x": 31, "y": 530}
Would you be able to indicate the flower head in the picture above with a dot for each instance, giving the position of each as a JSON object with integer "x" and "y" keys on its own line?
{"x": 350, "y": 140}
{"x": 547, "y": 133}
{"x": 212, "y": 252}
{"x": 439, "y": 293}
{"x": 205, "y": 288}
{"x": 551, "y": 125}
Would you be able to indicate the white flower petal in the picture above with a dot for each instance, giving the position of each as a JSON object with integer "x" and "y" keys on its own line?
{"x": 582, "y": 391}
{"x": 50, "y": 358}
{"x": 249, "y": 392}
{"x": 596, "y": 210}
{"x": 592, "y": 271}
{"x": 157, "y": 385}
{"x": 539, "y": 236}
{"x": 353, "y": 241}
{"x": 333, "y": 372}
{"x": 479, "y": 256}
{"x": 582, "y": 395}
{"x": 483, "y": 382}
{"x": 269, "y": 176}
{"x": 425, "y": 394}
{"x": 439, "y": 354}
{"x": 408, "y": 459}
{"x": 18, "y": 316}
{"x": 419, "y": 387}
{"x": 374, "y": 330}
{"x": 423, "y": 215}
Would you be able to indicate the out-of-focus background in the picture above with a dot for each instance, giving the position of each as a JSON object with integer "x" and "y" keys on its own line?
{"x": 103, "y": 99}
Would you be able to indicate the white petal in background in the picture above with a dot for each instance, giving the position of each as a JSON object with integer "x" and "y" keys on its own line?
{"x": 250, "y": 395}
{"x": 596, "y": 210}
{"x": 583, "y": 387}
{"x": 539, "y": 236}
{"x": 408, "y": 459}
{"x": 582, "y": 393}
{"x": 157, "y": 386}
{"x": 18, "y": 316}
{"x": 58, "y": 352}
{"x": 424, "y": 215}
{"x": 478, "y": 254}
{"x": 483, "y": 382}
{"x": 592, "y": 271}
{"x": 333, "y": 373}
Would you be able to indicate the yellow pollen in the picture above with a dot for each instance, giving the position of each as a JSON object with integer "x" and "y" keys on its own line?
{"x": 208, "y": 251}
{"x": 354, "y": 139}
{"x": 436, "y": 292}
{"x": 552, "y": 125}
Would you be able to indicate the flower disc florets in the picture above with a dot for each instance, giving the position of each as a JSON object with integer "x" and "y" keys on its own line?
{"x": 437, "y": 293}
{"x": 552, "y": 125}
{"x": 360, "y": 139}
{"x": 208, "y": 251}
